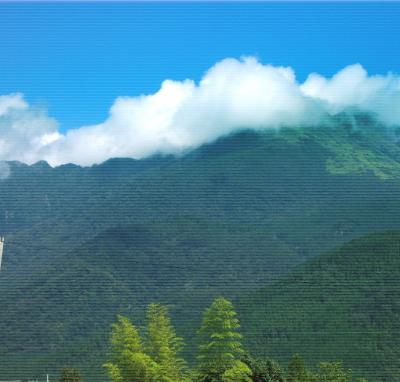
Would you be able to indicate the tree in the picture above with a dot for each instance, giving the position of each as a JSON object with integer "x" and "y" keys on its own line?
{"x": 220, "y": 348}
{"x": 125, "y": 336}
{"x": 69, "y": 374}
{"x": 163, "y": 345}
{"x": 333, "y": 372}
{"x": 128, "y": 361}
{"x": 297, "y": 370}
{"x": 264, "y": 370}
{"x": 238, "y": 372}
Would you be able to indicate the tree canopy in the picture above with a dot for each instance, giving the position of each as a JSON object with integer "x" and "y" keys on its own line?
{"x": 221, "y": 355}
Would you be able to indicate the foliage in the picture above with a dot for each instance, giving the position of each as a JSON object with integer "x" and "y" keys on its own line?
{"x": 68, "y": 374}
{"x": 333, "y": 372}
{"x": 220, "y": 348}
{"x": 221, "y": 357}
{"x": 264, "y": 370}
{"x": 341, "y": 305}
{"x": 163, "y": 345}
{"x": 238, "y": 372}
{"x": 297, "y": 370}
{"x": 128, "y": 360}
{"x": 125, "y": 337}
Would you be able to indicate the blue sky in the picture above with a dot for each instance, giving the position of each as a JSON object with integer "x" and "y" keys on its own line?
{"x": 76, "y": 58}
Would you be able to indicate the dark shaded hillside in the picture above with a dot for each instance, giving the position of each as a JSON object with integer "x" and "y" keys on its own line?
{"x": 343, "y": 305}
{"x": 127, "y": 267}
{"x": 85, "y": 243}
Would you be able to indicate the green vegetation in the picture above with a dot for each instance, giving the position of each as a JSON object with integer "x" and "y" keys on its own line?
{"x": 264, "y": 370}
{"x": 237, "y": 218}
{"x": 220, "y": 348}
{"x": 220, "y": 356}
{"x": 297, "y": 370}
{"x": 163, "y": 345}
{"x": 155, "y": 361}
{"x": 68, "y": 374}
{"x": 129, "y": 362}
{"x": 341, "y": 305}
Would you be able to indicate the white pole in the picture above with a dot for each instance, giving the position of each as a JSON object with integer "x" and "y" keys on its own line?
{"x": 1, "y": 249}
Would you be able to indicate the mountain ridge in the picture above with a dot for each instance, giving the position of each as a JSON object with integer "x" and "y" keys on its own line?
{"x": 243, "y": 212}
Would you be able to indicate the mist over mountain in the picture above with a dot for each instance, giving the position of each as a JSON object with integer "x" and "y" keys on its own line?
{"x": 233, "y": 95}
{"x": 230, "y": 217}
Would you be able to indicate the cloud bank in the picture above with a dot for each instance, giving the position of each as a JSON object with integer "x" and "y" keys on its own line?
{"x": 232, "y": 95}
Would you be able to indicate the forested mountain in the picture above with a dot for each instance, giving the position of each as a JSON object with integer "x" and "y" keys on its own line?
{"x": 344, "y": 304}
{"x": 83, "y": 244}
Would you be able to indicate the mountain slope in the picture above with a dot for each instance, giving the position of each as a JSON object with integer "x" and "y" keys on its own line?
{"x": 305, "y": 185}
{"x": 127, "y": 267}
{"x": 343, "y": 305}
{"x": 225, "y": 218}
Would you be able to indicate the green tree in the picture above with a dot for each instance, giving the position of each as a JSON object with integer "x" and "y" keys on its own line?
{"x": 238, "y": 372}
{"x": 333, "y": 372}
{"x": 163, "y": 345}
{"x": 220, "y": 347}
{"x": 129, "y": 363}
{"x": 264, "y": 370}
{"x": 69, "y": 374}
{"x": 297, "y": 370}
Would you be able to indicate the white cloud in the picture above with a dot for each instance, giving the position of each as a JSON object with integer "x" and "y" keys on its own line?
{"x": 4, "y": 170}
{"x": 232, "y": 95}
{"x": 24, "y": 130}
{"x": 352, "y": 87}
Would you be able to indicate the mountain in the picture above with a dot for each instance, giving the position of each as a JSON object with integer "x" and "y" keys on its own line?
{"x": 343, "y": 305}
{"x": 83, "y": 244}
{"x": 68, "y": 305}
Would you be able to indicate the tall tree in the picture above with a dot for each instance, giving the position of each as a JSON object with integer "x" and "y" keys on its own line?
{"x": 129, "y": 363}
{"x": 163, "y": 345}
{"x": 220, "y": 347}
